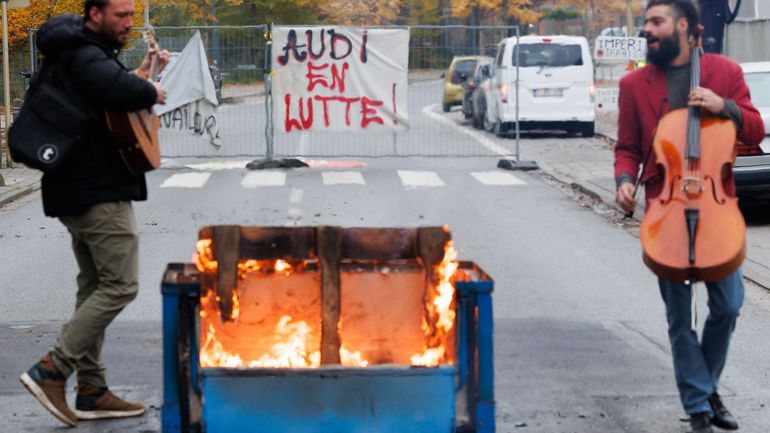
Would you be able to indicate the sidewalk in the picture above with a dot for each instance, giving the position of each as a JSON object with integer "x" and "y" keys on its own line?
{"x": 17, "y": 182}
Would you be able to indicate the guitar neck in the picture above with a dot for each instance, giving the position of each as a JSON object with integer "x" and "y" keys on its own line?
{"x": 152, "y": 44}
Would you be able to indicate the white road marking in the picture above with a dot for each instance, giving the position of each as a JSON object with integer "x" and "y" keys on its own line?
{"x": 296, "y": 195}
{"x": 186, "y": 180}
{"x": 430, "y": 111}
{"x": 418, "y": 179}
{"x": 497, "y": 178}
{"x": 342, "y": 178}
{"x": 264, "y": 178}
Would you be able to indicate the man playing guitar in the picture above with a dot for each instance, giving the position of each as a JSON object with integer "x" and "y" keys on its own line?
{"x": 92, "y": 198}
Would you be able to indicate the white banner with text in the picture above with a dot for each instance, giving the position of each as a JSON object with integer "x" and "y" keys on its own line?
{"x": 335, "y": 78}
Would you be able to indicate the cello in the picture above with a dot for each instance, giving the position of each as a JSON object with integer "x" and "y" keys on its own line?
{"x": 694, "y": 230}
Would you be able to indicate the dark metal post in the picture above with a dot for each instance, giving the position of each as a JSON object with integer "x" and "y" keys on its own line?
{"x": 516, "y": 163}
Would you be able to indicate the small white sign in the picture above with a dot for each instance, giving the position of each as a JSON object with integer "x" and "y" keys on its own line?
{"x": 607, "y": 99}
{"x": 609, "y": 48}
{"x": 18, "y": 4}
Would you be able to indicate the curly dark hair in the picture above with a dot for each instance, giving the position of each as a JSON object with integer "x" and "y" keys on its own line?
{"x": 682, "y": 8}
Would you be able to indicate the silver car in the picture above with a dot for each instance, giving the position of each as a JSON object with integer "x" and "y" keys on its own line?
{"x": 752, "y": 168}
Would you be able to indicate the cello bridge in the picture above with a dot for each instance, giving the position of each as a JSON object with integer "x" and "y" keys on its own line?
{"x": 692, "y": 187}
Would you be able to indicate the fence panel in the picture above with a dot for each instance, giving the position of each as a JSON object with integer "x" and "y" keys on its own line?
{"x": 239, "y": 54}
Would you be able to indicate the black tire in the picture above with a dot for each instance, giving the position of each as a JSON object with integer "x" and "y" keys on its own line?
{"x": 446, "y": 107}
{"x": 587, "y": 129}
{"x": 478, "y": 116}
{"x": 488, "y": 125}
{"x": 499, "y": 129}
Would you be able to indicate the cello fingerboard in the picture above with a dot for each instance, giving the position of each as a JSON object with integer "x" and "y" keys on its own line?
{"x": 693, "y": 118}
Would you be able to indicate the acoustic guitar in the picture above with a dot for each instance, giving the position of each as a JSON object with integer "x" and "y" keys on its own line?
{"x": 139, "y": 129}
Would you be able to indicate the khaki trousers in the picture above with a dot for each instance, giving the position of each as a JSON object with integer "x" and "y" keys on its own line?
{"x": 106, "y": 246}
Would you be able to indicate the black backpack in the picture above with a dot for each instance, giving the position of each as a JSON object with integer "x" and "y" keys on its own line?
{"x": 52, "y": 123}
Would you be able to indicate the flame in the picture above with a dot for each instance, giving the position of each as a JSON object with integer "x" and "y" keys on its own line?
{"x": 212, "y": 353}
{"x": 352, "y": 359}
{"x": 441, "y": 316}
{"x": 246, "y": 267}
{"x": 283, "y": 266}
{"x": 204, "y": 259}
{"x": 291, "y": 349}
{"x": 236, "y": 305}
{"x": 429, "y": 358}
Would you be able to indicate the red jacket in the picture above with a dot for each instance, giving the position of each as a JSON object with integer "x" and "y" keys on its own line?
{"x": 643, "y": 101}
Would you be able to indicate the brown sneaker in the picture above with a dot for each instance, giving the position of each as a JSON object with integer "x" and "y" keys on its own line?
{"x": 95, "y": 402}
{"x": 46, "y": 383}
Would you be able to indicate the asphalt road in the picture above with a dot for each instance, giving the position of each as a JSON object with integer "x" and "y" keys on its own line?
{"x": 579, "y": 326}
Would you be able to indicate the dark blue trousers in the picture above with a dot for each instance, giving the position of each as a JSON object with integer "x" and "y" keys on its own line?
{"x": 698, "y": 364}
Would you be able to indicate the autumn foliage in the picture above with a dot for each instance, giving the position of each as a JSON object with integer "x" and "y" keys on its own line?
{"x": 21, "y": 20}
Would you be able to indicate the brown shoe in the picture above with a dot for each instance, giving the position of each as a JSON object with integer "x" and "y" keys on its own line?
{"x": 47, "y": 383}
{"x": 97, "y": 402}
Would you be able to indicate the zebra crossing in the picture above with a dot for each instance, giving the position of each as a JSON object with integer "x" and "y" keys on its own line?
{"x": 410, "y": 179}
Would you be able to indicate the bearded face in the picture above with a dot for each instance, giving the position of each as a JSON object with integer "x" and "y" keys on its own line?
{"x": 662, "y": 50}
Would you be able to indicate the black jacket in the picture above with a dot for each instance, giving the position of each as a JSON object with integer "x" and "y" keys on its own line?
{"x": 86, "y": 66}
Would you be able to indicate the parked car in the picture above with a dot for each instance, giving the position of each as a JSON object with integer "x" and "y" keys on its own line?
{"x": 479, "y": 98}
{"x": 752, "y": 166}
{"x": 472, "y": 82}
{"x": 556, "y": 87}
{"x": 459, "y": 70}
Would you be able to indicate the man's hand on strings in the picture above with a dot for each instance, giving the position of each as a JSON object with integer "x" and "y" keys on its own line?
{"x": 706, "y": 99}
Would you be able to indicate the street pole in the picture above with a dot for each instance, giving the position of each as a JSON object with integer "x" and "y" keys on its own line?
{"x": 630, "y": 19}
{"x": 5, "y": 155}
{"x": 516, "y": 163}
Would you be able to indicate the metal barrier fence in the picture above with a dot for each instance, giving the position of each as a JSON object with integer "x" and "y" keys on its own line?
{"x": 242, "y": 118}
{"x": 239, "y": 55}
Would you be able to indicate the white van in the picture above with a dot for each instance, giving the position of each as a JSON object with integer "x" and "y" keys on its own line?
{"x": 556, "y": 90}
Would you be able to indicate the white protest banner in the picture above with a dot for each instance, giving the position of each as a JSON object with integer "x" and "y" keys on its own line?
{"x": 191, "y": 98}
{"x": 334, "y": 78}
{"x": 609, "y": 48}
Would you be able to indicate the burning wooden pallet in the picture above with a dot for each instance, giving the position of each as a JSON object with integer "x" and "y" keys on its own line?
{"x": 298, "y": 307}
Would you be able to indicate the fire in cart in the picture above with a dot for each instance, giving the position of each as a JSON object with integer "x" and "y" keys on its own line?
{"x": 327, "y": 329}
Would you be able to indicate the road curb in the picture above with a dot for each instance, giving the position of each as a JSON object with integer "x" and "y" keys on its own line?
{"x": 18, "y": 192}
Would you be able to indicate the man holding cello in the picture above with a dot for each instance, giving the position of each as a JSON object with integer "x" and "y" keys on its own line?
{"x": 646, "y": 95}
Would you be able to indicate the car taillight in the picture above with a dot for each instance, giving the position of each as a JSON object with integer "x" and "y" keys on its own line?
{"x": 472, "y": 86}
{"x": 485, "y": 86}
{"x": 504, "y": 93}
{"x": 744, "y": 150}
{"x": 592, "y": 92}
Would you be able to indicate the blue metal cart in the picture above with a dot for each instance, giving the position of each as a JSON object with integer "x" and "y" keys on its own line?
{"x": 335, "y": 399}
